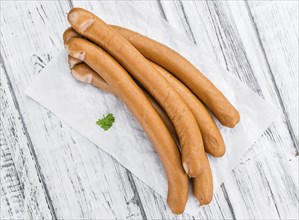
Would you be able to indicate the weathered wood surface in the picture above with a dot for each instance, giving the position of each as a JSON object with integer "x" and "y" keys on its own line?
{"x": 20, "y": 176}
{"x": 49, "y": 171}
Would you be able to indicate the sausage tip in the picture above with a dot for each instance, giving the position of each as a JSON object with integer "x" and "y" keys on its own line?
{"x": 79, "y": 55}
{"x": 185, "y": 167}
{"x": 86, "y": 78}
{"x": 80, "y": 19}
{"x": 72, "y": 16}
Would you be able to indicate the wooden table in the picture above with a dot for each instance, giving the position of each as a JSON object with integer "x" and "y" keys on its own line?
{"x": 44, "y": 162}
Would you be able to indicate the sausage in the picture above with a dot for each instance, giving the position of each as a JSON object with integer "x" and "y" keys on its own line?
{"x": 203, "y": 184}
{"x": 201, "y": 86}
{"x": 212, "y": 138}
{"x": 97, "y": 31}
{"x": 163, "y": 115}
{"x": 135, "y": 100}
{"x": 73, "y": 61}
{"x": 85, "y": 74}
{"x": 68, "y": 34}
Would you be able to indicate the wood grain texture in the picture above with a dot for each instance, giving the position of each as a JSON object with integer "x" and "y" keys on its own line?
{"x": 277, "y": 27}
{"x": 22, "y": 194}
{"x": 84, "y": 182}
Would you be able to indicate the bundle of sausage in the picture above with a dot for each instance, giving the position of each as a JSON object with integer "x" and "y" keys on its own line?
{"x": 164, "y": 92}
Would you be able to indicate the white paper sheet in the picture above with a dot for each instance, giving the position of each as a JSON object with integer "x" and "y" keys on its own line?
{"x": 80, "y": 105}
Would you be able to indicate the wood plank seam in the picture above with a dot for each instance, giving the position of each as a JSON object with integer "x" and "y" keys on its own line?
{"x": 30, "y": 145}
{"x": 188, "y": 30}
{"x": 228, "y": 200}
{"x": 71, "y": 4}
{"x": 219, "y": 37}
{"x": 162, "y": 12}
{"x": 4, "y": 165}
{"x": 136, "y": 194}
{"x": 290, "y": 128}
{"x": 218, "y": 21}
{"x": 271, "y": 192}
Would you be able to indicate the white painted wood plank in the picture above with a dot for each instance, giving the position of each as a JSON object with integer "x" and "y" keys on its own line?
{"x": 265, "y": 179}
{"x": 277, "y": 25}
{"x": 83, "y": 181}
{"x": 22, "y": 194}
{"x": 225, "y": 30}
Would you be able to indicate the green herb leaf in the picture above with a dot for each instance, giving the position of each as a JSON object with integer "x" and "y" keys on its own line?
{"x": 106, "y": 122}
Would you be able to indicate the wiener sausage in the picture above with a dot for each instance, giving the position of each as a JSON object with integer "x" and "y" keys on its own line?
{"x": 212, "y": 138}
{"x": 73, "y": 61}
{"x": 201, "y": 86}
{"x": 96, "y": 30}
{"x": 68, "y": 34}
{"x": 135, "y": 100}
{"x": 203, "y": 184}
{"x": 85, "y": 74}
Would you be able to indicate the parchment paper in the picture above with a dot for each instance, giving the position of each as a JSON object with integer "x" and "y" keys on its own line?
{"x": 80, "y": 105}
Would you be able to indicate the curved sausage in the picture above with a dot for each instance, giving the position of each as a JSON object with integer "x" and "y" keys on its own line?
{"x": 73, "y": 61}
{"x": 135, "y": 100}
{"x": 212, "y": 138}
{"x": 201, "y": 86}
{"x": 85, "y": 74}
{"x": 96, "y": 30}
{"x": 68, "y": 34}
{"x": 203, "y": 184}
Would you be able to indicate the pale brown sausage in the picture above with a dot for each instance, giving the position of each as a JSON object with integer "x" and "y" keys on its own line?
{"x": 135, "y": 100}
{"x": 96, "y": 30}
{"x": 84, "y": 73}
{"x": 68, "y": 34}
{"x": 201, "y": 86}
{"x": 212, "y": 138}
{"x": 203, "y": 184}
{"x": 73, "y": 61}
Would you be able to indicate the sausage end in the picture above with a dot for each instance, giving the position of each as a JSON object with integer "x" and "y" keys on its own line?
{"x": 85, "y": 78}
{"x": 185, "y": 167}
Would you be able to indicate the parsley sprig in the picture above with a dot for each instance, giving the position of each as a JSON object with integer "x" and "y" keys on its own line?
{"x": 106, "y": 122}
